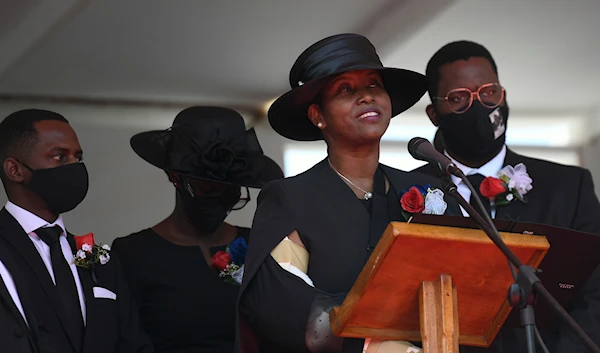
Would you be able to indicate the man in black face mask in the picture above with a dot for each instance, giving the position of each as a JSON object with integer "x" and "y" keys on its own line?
{"x": 65, "y": 308}
{"x": 469, "y": 107}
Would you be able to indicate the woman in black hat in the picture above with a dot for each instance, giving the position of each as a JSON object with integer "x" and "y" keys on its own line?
{"x": 185, "y": 271}
{"x": 313, "y": 233}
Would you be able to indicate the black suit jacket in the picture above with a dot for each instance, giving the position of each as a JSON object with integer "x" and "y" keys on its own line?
{"x": 562, "y": 196}
{"x": 111, "y": 325}
{"x": 15, "y": 334}
{"x": 336, "y": 229}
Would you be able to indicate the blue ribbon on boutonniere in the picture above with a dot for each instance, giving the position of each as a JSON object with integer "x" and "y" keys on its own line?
{"x": 230, "y": 262}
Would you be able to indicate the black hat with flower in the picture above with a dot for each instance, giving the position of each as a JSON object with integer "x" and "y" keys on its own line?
{"x": 211, "y": 144}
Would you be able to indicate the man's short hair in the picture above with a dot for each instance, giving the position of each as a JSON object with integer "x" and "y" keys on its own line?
{"x": 449, "y": 53}
{"x": 18, "y": 132}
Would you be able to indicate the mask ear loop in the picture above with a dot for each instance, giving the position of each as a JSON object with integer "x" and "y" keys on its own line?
{"x": 189, "y": 189}
{"x": 25, "y": 165}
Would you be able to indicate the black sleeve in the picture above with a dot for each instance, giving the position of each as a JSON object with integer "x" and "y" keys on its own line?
{"x": 585, "y": 309}
{"x": 587, "y": 215}
{"x": 121, "y": 248}
{"x": 132, "y": 336}
{"x": 276, "y": 306}
{"x": 286, "y": 313}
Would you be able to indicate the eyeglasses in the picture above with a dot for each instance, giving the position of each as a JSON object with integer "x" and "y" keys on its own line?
{"x": 243, "y": 201}
{"x": 215, "y": 199}
{"x": 460, "y": 100}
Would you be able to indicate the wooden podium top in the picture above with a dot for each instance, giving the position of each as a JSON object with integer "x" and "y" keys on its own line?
{"x": 384, "y": 304}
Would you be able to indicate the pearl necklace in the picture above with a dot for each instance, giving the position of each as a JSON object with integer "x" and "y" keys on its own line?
{"x": 368, "y": 195}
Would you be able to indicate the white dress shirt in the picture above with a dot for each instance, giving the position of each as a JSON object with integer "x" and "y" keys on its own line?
{"x": 30, "y": 222}
{"x": 491, "y": 168}
{"x": 12, "y": 289}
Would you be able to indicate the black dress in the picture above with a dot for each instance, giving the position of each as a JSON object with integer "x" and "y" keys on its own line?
{"x": 184, "y": 305}
{"x": 279, "y": 312}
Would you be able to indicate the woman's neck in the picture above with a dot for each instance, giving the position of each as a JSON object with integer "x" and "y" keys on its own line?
{"x": 357, "y": 163}
{"x": 357, "y": 167}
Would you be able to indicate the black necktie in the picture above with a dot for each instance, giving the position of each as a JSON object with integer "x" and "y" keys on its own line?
{"x": 476, "y": 180}
{"x": 65, "y": 283}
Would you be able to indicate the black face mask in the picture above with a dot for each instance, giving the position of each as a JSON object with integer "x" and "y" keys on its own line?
{"x": 477, "y": 133}
{"x": 207, "y": 214}
{"x": 62, "y": 188}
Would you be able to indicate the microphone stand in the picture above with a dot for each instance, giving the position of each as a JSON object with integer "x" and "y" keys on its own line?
{"x": 527, "y": 283}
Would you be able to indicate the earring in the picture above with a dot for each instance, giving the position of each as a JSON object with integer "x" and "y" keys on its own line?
{"x": 320, "y": 125}
{"x": 175, "y": 185}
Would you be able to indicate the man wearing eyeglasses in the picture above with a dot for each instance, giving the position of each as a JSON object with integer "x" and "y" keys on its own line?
{"x": 468, "y": 105}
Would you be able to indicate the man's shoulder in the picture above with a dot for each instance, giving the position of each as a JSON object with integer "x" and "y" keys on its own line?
{"x": 540, "y": 169}
{"x": 428, "y": 169}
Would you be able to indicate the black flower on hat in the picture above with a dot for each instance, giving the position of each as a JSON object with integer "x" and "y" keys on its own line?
{"x": 213, "y": 158}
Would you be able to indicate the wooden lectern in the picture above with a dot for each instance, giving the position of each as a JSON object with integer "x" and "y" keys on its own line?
{"x": 443, "y": 286}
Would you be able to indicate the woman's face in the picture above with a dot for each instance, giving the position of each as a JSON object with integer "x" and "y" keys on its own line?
{"x": 354, "y": 107}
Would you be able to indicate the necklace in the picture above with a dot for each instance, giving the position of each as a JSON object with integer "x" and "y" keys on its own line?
{"x": 368, "y": 195}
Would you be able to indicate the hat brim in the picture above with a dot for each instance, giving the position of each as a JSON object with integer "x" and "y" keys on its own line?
{"x": 288, "y": 115}
{"x": 146, "y": 146}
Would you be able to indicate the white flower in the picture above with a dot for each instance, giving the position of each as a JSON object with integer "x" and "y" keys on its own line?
{"x": 519, "y": 180}
{"x": 106, "y": 247}
{"x": 510, "y": 197}
{"x": 238, "y": 274}
{"x": 86, "y": 247}
{"x": 434, "y": 202}
{"x": 104, "y": 259}
{"x": 80, "y": 254}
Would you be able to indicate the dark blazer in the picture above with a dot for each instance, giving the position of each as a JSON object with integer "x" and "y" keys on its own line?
{"x": 337, "y": 231}
{"x": 111, "y": 325}
{"x": 562, "y": 196}
{"x": 15, "y": 335}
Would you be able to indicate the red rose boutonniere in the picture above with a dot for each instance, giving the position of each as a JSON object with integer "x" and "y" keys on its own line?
{"x": 511, "y": 183}
{"x": 422, "y": 199}
{"x": 220, "y": 260}
{"x": 88, "y": 253}
{"x": 230, "y": 262}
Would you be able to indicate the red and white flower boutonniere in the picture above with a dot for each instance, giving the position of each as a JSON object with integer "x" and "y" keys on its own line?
{"x": 230, "y": 262}
{"x": 422, "y": 199}
{"x": 512, "y": 183}
{"x": 88, "y": 253}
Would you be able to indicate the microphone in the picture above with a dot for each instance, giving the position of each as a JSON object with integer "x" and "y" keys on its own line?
{"x": 421, "y": 149}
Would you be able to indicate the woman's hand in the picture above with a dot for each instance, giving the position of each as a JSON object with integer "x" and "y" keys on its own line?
{"x": 295, "y": 237}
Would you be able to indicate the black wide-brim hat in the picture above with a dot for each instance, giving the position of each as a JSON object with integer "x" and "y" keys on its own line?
{"x": 323, "y": 61}
{"x": 211, "y": 144}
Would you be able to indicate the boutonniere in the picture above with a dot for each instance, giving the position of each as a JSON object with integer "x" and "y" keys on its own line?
{"x": 89, "y": 254}
{"x": 511, "y": 183}
{"x": 422, "y": 199}
{"x": 230, "y": 262}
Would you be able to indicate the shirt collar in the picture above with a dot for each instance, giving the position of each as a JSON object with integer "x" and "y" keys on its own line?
{"x": 30, "y": 222}
{"x": 491, "y": 168}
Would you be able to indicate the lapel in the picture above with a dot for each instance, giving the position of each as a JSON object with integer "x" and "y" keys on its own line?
{"x": 31, "y": 329}
{"x": 12, "y": 308}
{"x": 87, "y": 284}
{"x": 514, "y": 210}
{"x": 14, "y": 235}
{"x": 397, "y": 179}
{"x": 341, "y": 203}
{"x": 10, "y": 305}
